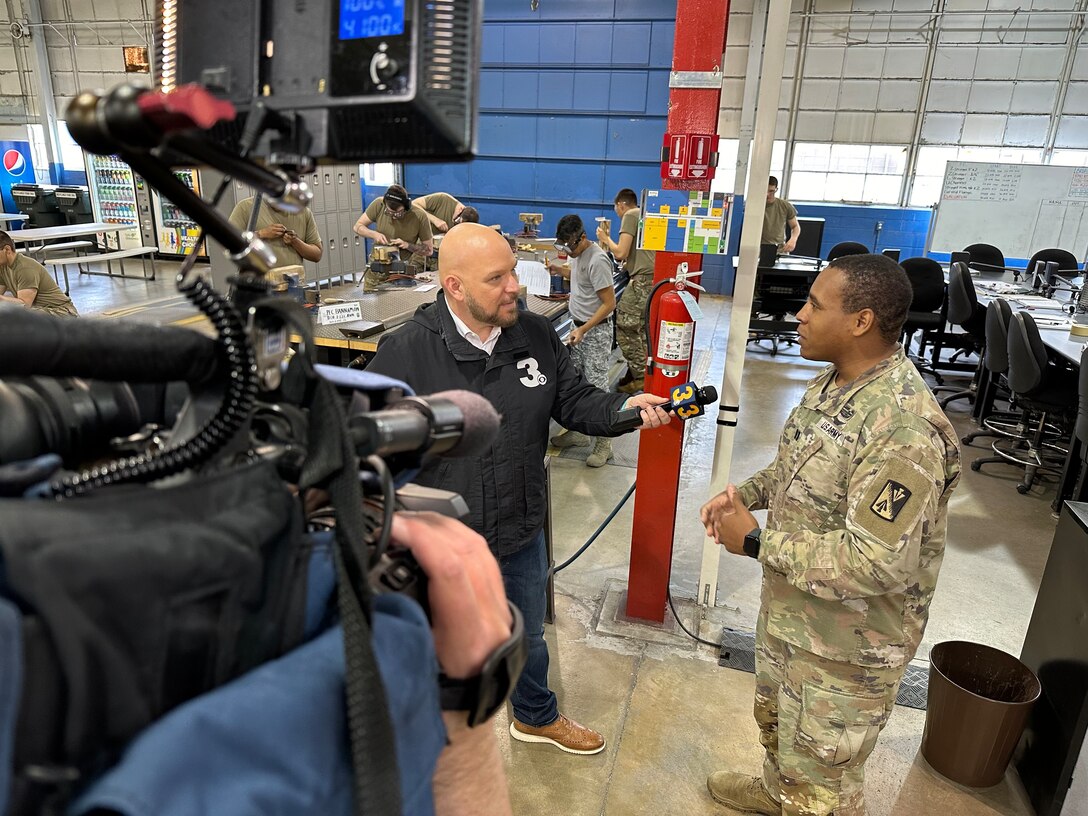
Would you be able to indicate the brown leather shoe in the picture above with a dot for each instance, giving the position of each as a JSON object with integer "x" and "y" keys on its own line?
{"x": 633, "y": 387}
{"x": 743, "y": 793}
{"x": 565, "y": 734}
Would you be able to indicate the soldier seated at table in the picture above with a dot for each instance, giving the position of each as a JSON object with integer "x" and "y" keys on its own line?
{"x": 29, "y": 284}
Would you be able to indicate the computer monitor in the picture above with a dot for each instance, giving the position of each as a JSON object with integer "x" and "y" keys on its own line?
{"x": 891, "y": 253}
{"x": 1049, "y": 271}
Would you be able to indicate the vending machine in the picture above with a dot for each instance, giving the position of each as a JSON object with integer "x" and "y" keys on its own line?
{"x": 119, "y": 196}
{"x": 177, "y": 233}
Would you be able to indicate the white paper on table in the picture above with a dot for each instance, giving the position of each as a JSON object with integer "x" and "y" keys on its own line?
{"x": 426, "y": 287}
{"x": 534, "y": 276}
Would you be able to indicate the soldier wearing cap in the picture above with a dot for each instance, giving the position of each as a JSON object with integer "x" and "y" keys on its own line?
{"x": 857, "y": 501}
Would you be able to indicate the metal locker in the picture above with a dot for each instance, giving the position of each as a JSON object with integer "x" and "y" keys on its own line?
{"x": 347, "y": 245}
{"x": 317, "y": 203}
{"x": 359, "y": 249}
{"x": 315, "y": 271}
{"x": 335, "y": 256}
{"x": 328, "y": 193}
{"x": 241, "y": 192}
{"x": 343, "y": 198}
{"x": 355, "y": 191}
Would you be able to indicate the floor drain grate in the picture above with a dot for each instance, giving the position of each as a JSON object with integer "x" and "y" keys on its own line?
{"x": 738, "y": 651}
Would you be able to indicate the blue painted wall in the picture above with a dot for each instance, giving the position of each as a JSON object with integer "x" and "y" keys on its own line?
{"x": 573, "y": 107}
{"x": 903, "y": 228}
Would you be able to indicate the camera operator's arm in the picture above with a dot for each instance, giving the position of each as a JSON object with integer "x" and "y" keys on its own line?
{"x": 470, "y": 619}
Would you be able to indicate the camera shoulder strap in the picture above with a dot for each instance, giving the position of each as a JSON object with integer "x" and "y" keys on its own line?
{"x": 333, "y": 461}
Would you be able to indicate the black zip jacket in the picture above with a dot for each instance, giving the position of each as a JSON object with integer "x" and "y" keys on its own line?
{"x": 529, "y": 378}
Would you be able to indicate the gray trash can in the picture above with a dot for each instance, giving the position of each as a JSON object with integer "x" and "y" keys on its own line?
{"x": 978, "y": 705}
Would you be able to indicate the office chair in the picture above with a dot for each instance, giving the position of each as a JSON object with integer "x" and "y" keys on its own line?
{"x": 776, "y": 295}
{"x": 986, "y": 258}
{"x": 968, "y": 314}
{"x": 993, "y": 386}
{"x": 844, "y": 248}
{"x": 1042, "y": 388}
{"x": 927, "y": 310}
{"x": 1067, "y": 261}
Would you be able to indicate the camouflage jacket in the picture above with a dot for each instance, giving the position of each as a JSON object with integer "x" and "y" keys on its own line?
{"x": 858, "y": 508}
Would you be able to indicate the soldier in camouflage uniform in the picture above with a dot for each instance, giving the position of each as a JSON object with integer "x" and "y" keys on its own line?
{"x": 592, "y": 301}
{"x": 858, "y": 501}
{"x": 639, "y": 263}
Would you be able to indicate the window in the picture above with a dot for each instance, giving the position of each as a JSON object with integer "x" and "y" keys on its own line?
{"x": 379, "y": 175}
{"x": 729, "y": 153}
{"x": 1070, "y": 158}
{"x": 847, "y": 172}
{"x": 71, "y": 154}
{"x": 929, "y": 173}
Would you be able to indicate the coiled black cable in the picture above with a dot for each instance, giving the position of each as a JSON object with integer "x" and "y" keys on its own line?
{"x": 235, "y": 408}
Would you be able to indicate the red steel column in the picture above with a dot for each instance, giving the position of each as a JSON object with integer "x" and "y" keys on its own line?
{"x": 699, "y": 45}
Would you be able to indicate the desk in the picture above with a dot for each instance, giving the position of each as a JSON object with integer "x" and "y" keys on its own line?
{"x": 1063, "y": 344}
{"x": 40, "y": 235}
{"x": 8, "y": 218}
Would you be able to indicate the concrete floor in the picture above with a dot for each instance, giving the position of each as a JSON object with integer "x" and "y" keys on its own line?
{"x": 670, "y": 714}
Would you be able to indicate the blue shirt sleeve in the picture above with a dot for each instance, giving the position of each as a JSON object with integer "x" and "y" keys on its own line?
{"x": 275, "y": 741}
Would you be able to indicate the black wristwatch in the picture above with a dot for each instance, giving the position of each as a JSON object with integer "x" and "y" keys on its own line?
{"x": 481, "y": 696}
{"x": 752, "y": 542}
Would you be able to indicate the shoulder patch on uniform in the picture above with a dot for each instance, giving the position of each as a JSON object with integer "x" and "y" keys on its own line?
{"x": 893, "y": 497}
{"x": 893, "y": 500}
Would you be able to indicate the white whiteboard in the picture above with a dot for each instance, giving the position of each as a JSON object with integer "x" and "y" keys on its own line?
{"x": 1019, "y": 208}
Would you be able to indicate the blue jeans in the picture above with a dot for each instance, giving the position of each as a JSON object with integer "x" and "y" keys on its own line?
{"x": 525, "y": 575}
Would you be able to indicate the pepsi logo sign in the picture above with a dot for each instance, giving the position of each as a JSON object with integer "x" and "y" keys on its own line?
{"x": 14, "y": 162}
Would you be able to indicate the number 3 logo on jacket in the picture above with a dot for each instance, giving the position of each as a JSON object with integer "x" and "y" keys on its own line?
{"x": 532, "y": 377}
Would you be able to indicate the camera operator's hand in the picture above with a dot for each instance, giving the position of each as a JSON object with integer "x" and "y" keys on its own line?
{"x": 469, "y": 614}
{"x": 271, "y": 232}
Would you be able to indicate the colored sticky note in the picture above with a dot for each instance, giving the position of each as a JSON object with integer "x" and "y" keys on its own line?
{"x": 716, "y": 212}
{"x": 683, "y": 211}
{"x": 654, "y": 231}
{"x": 712, "y": 225}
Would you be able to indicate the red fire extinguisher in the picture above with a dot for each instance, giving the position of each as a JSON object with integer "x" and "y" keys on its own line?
{"x": 672, "y": 331}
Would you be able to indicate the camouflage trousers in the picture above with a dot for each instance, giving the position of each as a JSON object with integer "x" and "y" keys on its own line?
{"x": 591, "y": 356}
{"x": 818, "y": 722}
{"x": 629, "y": 323}
{"x": 59, "y": 311}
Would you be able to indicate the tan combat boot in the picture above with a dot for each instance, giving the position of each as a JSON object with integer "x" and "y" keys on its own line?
{"x": 602, "y": 452}
{"x": 570, "y": 439}
{"x": 743, "y": 793}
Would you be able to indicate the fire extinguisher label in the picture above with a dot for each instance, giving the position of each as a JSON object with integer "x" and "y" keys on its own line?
{"x": 674, "y": 340}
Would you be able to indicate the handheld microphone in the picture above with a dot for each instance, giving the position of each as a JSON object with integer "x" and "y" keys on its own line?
{"x": 685, "y": 401}
{"x": 451, "y": 423}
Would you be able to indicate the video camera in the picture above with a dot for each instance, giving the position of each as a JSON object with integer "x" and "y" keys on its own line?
{"x": 121, "y": 406}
